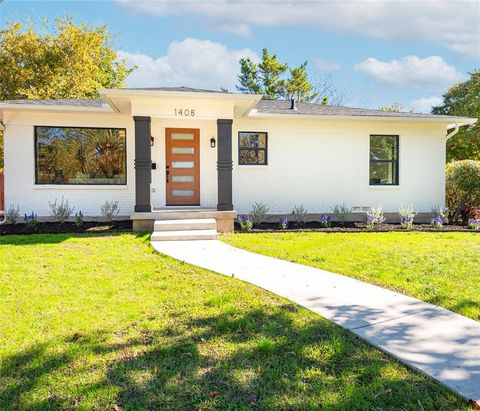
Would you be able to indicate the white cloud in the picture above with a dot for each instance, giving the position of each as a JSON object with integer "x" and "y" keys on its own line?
{"x": 430, "y": 72}
{"x": 425, "y": 104}
{"x": 326, "y": 65}
{"x": 191, "y": 63}
{"x": 450, "y": 23}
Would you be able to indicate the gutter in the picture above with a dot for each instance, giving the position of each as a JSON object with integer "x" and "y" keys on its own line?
{"x": 453, "y": 132}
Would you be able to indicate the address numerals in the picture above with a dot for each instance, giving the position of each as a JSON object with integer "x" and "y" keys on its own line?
{"x": 185, "y": 112}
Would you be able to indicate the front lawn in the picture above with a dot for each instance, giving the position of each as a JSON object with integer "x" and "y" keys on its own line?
{"x": 441, "y": 268}
{"x": 103, "y": 322}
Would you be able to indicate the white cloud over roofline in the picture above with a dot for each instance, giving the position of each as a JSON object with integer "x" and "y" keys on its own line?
{"x": 431, "y": 73}
{"x": 191, "y": 63}
{"x": 450, "y": 23}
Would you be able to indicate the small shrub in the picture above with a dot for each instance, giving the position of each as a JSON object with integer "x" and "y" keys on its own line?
{"x": 31, "y": 220}
{"x": 407, "y": 215}
{"x": 300, "y": 214}
{"x": 325, "y": 221}
{"x": 340, "y": 211}
{"x": 439, "y": 214}
{"x": 283, "y": 224}
{"x": 437, "y": 222}
{"x": 79, "y": 219}
{"x": 110, "y": 210}
{"x": 462, "y": 184}
{"x": 60, "y": 212}
{"x": 474, "y": 223}
{"x": 13, "y": 213}
{"x": 258, "y": 213}
{"x": 374, "y": 217}
{"x": 246, "y": 223}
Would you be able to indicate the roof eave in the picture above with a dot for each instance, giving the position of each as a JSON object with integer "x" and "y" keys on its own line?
{"x": 450, "y": 121}
{"x": 106, "y": 93}
{"x": 54, "y": 108}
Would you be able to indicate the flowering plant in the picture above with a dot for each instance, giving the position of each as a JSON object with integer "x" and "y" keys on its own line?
{"x": 246, "y": 223}
{"x": 325, "y": 221}
{"x": 79, "y": 219}
{"x": 283, "y": 224}
{"x": 474, "y": 223}
{"x": 407, "y": 216}
{"x": 31, "y": 220}
{"x": 437, "y": 222}
{"x": 374, "y": 217}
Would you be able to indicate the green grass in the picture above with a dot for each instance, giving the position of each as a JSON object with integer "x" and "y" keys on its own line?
{"x": 103, "y": 322}
{"x": 441, "y": 268}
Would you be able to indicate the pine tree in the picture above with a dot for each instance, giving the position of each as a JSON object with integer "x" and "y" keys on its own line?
{"x": 298, "y": 86}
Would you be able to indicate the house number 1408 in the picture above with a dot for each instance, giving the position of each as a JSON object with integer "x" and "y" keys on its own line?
{"x": 185, "y": 112}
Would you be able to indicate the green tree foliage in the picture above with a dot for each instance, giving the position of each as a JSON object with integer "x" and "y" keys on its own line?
{"x": 269, "y": 77}
{"x": 65, "y": 60}
{"x": 298, "y": 85}
{"x": 462, "y": 187}
{"x": 395, "y": 107}
{"x": 463, "y": 99}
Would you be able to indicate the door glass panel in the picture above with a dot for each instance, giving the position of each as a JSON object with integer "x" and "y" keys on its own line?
{"x": 183, "y": 164}
{"x": 182, "y": 136}
{"x": 182, "y": 179}
{"x": 183, "y": 150}
{"x": 182, "y": 193}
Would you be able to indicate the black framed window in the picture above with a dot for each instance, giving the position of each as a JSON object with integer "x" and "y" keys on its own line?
{"x": 383, "y": 160}
{"x": 78, "y": 155}
{"x": 252, "y": 148}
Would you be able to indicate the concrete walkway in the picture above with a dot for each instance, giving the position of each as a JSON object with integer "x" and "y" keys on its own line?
{"x": 442, "y": 344}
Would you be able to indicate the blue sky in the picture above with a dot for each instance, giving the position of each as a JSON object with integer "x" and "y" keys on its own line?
{"x": 373, "y": 52}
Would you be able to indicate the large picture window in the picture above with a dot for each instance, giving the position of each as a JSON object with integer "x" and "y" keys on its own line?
{"x": 383, "y": 160}
{"x": 252, "y": 148}
{"x": 71, "y": 155}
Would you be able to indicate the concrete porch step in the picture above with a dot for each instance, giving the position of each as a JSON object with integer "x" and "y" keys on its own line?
{"x": 183, "y": 235}
{"x": 185, "y": 224}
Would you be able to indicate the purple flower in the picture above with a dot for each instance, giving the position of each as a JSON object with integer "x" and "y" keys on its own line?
{"x": 438, "y": 221}
{"x": 474, "y": 223}
{"x": 325, "y": 221}
{"x": 283, "y": 224}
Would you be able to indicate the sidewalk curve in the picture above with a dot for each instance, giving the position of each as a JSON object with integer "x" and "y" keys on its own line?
{"x": 438, "y": 342}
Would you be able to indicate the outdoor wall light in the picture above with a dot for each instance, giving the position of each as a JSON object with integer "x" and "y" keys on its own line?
{"x": 152, "y": 141}
{"x": 213, "y": 143}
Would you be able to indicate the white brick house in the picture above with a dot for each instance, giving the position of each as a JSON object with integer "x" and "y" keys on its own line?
{"x": 179, "y": 148}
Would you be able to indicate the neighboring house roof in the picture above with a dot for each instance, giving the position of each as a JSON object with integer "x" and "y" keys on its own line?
{"x": 258, "y": 107}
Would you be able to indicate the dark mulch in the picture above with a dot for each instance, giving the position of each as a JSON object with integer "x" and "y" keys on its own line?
{"x": 351, "y": 227}
{"x": 54, "y": 228}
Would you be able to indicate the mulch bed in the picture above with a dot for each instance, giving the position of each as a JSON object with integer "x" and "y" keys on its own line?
{"x": 353, "y": 228}
{"x": 68, "y": 227}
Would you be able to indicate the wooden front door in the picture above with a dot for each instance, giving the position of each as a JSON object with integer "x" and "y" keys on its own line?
{"x": 183, "y": 166}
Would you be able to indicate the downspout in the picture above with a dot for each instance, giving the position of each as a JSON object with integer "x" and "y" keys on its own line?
{"x": 3, "y": 212}
{"x": 453, "y": 132}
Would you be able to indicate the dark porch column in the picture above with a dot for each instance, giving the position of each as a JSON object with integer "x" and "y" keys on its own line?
{"x": 224, "y": 164}
{"x": 143, "y": 164}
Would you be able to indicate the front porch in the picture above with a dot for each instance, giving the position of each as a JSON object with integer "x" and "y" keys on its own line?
{"x": 153, "y": 201}
{"x": 145, "y": 221}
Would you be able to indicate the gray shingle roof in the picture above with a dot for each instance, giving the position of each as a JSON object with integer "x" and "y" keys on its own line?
{"x": 262, "y": 107}
{"x": 181, "y": 88}
{"x": 283, "y": 107}
{"x": 81, "y": 102}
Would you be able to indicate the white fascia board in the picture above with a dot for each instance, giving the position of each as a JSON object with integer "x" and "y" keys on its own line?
{"x": 105, "y": 92}
{"x": 462, "y": 121}
{"x": 54, "y": 108}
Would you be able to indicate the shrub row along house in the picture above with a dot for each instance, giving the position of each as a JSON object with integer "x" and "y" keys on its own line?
{"x": 159, "y": 151}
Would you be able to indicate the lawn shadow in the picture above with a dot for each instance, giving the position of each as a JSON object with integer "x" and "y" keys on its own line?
{"x": 255, "y": 360}
{"x": 35, "y": 239}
